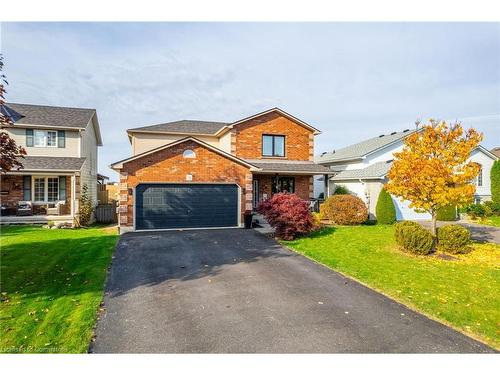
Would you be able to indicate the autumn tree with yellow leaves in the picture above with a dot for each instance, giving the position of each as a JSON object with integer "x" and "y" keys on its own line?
{"x": 432, "y": 171}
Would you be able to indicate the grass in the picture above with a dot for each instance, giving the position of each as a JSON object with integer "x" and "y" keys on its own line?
{"x": 493, "y": 221}
{"x": 51, "y": 287}
{"x": 463, "y": 294}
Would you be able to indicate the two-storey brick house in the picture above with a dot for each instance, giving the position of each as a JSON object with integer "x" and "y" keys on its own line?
{"x": 199, "y": 174}
{"x": 61, "y": 145}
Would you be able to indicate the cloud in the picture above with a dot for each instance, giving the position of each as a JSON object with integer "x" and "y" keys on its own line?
{"x": 350, "y": 80}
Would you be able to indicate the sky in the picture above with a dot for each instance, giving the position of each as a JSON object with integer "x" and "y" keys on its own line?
{"x": 350, "y": 80}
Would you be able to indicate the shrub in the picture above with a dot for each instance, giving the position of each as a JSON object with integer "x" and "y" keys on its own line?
{"x": 412, "y": 238}
{"x": 344, "y": 210}
{"x": 399, "y": 228}
{"x": 448, "y": 213}
{"x": 86, "y": 208}
{"x": 494, "y": 207}
{"x": 453, "y": 239}
{"x": 340, "y": 189}
{"x": 385, "y": 210}
{"x": 288, "y": 214}
{"x": 475, "y": 211}
{"x": 495, "y": 181}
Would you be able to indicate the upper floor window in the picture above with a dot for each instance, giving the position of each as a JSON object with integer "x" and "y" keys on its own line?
{"x": 273, "y": 145}
{"x": 479, "y": 178}
{"x": 45, "y": 138}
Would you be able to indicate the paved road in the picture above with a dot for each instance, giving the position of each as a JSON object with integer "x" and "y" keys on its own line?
{"x": 237, "y": 291}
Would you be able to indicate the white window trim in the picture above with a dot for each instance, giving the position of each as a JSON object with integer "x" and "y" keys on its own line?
{"x": 45, "y": 138}
{"x": 46, "y": 189}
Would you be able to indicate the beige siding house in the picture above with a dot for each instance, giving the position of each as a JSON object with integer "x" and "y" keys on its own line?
{"x": 62, "y": 153}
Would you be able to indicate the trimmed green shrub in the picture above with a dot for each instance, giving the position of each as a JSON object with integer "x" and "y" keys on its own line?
{"x": 475, "y": 211}
{"x": 495, "y": 181}
{"x": 414, "y": 239}
{"x": 344, "y": 210}
{"x": 493, "y": 207}
{"x": 400, "y": 227}
{"x": 448, "y": 213}
{"x": 340, "y": 189}
{"x": 454, "y": 239}
{"x": 385, "y": 210}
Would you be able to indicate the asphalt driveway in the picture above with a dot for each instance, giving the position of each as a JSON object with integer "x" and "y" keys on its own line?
{"x": 237, "y": 291}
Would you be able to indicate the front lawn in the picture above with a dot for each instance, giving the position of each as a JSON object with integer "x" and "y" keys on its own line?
{"x": 492, "y": 220}
{"x": 51, "y": 287}
{"x": 463, "y": 293}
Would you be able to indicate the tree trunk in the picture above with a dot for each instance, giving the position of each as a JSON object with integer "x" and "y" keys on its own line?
{"x": 434, "y": 229}
{"x": 433, "y": 223}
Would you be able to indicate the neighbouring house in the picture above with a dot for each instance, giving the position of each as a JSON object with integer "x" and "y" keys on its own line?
{"x": 362, "y": 168}
{"x": 496, "y": 151}
{"x": 201, "y": 174}
{"x": 61, "y": 145}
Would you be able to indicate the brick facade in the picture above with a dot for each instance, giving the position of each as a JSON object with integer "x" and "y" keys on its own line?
{"x": 169, "y": 165}
{"x": 247, "y": 137}
{"x": 13, "y": 184}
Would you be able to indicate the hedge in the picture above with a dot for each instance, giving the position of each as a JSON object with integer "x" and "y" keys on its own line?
{"x": 448, "y": 213}
{"x": 385, "y": 209}
{"x": 495, "y": 181}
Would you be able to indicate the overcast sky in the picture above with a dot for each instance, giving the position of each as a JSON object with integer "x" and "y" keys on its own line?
{"x": 350, "y": 80}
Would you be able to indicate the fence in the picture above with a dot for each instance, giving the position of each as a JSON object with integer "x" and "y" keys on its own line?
{"x": 106, "y": 213}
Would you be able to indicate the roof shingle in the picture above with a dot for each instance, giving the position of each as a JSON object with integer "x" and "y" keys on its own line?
{"x": 376, "y": 170}
{"x": 303, "y": 167}
{"x": 30, "y": 114}
{"x": 358, "y": 150}
{"x": 185, "y": 127}
{"x": 43, "y": 163}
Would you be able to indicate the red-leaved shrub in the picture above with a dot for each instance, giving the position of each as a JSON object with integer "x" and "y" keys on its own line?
{"x": 344, "y": 210}
{"x": 288, "y": 214}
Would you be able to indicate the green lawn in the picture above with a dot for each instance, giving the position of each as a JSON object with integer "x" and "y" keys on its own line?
{"x": 493, "y": 221}
{"x": 464, "y": 294}
{"x": 51, "y": 287}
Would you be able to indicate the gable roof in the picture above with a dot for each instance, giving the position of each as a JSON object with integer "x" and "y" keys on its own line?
{"x": 119, "y": 164}
{"x": 44, "y": 116}
{"x": 375, "y": 171}
{"x": 30, "y": 114}
{"x": 183, "y": 127}
{"x": 361, "y": 149}
{"x": 214, "y": 128}
{"x": 495, "y": 151}
{"x": 282, "y": 113}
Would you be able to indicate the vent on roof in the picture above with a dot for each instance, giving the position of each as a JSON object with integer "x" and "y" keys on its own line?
{"x": 406, "y": 130}
{"x": 381, "y": 135}
{"x": 393, "y": 133}
{"x": 323, "y": 153}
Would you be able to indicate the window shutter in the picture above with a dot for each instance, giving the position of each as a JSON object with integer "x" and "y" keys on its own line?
{"x": 27, "y": 188}
{"x": 61, "y": 139}
{"x": 29, "y": 137}
{"x": 62, "y": 188}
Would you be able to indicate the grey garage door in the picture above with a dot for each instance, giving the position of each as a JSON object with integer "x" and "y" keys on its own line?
{"x": 167, "y": 206}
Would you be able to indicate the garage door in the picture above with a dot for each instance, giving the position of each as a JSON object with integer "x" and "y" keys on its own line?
{"x": 169, "y": 206}
{"x": 404, "y": 212}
